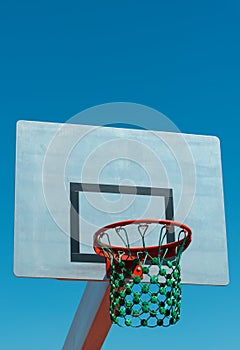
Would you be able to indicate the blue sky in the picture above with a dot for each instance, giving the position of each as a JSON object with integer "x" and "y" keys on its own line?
{"x": 59, "y": 58}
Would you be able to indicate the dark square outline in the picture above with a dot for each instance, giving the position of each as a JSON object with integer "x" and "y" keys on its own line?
{"x": 75, "y": 188}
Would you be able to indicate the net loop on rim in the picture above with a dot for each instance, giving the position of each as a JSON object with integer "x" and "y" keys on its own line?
{"x": 145, "y": 279}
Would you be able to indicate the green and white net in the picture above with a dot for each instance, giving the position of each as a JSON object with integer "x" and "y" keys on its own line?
{"x": 145, "y": 282}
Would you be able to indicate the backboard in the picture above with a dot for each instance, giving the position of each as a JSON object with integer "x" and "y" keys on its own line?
{"x": 72, "y": 179}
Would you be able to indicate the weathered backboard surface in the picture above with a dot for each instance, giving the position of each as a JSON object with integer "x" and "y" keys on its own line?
{"x": 73, "y": 179}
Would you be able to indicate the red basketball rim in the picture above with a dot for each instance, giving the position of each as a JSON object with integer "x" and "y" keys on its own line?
{"x": 167, "y": 250}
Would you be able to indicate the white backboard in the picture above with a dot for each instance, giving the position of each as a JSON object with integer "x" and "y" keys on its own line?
{"x": 73, "y": 179}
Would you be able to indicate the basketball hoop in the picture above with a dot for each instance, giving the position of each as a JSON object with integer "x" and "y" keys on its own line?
{"x": 145, "y": 280}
